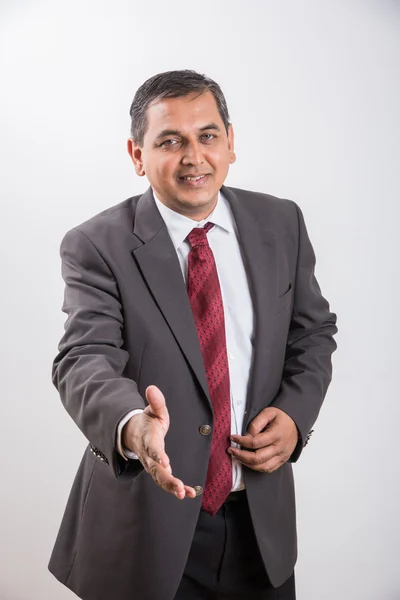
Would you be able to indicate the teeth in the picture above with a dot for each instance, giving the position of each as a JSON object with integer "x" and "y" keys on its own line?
{"x": 194, "y": 178}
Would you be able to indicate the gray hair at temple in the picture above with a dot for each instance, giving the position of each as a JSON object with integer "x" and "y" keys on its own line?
{"x": 172, "y": 84}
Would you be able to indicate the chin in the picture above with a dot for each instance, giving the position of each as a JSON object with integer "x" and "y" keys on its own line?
{"x": 201, "y": 199}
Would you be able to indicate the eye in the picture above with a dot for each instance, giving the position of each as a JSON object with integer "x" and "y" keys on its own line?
{"x": 168, "y": 143}
{"x": 208, "y": 137}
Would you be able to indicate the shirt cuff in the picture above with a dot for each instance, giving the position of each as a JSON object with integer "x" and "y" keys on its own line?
{"x": 124, "y": 452}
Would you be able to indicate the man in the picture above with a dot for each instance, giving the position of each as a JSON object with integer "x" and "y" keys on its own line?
{"x": 196, "y": 356}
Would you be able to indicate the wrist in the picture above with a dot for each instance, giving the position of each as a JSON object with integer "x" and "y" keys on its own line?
{"x": 127, "y": 434}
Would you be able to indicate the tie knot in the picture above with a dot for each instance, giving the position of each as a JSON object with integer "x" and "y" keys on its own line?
{"x": 198, "y": 235}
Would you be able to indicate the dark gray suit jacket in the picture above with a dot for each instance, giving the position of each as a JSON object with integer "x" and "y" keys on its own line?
{"x": 130, "y": 325}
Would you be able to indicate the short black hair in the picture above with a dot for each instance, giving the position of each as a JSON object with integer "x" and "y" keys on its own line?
{"x": 172, "y": 84}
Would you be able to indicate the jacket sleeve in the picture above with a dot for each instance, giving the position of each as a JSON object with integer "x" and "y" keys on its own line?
{"x": 88, "y": 370}
{"x": 308, "y": 366}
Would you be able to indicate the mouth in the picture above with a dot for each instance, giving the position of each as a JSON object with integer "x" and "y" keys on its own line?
{"x": 194, "y": 180}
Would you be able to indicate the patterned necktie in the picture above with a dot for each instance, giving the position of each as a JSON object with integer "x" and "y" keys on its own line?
{"x": 206, "y": 302}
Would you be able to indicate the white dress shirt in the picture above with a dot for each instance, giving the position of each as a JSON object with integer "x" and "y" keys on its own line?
{"x": 238, "y": 308}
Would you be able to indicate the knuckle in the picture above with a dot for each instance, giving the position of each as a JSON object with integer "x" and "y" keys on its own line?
{"x": 153, "y": 472}
{"x": 258, "y": 459}
{"x": 253, "y": 443}
{"x": 251, "y": 458}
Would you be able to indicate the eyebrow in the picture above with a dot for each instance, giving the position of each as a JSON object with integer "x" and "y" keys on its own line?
{"x": 165, "y": 132}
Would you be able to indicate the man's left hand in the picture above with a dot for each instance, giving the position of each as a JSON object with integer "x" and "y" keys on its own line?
{"x": 269, "y": 442}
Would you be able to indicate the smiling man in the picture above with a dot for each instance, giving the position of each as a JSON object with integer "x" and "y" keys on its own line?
{"x": 196, "y": 356}
{"x": 185, "y": 150}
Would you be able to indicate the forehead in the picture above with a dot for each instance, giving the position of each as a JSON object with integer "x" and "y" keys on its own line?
{"x": 186, "y": 113}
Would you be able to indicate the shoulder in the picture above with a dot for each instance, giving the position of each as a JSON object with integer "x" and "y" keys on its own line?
{"x": 272, "y": 210}
{"x": 112, "y": 223}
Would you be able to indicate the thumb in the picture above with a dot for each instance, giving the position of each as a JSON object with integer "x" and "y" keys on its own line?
{"x": 260, "y": 422}
{"x": 156, "y": 400}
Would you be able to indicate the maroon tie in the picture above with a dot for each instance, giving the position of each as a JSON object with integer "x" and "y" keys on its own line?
{"x": 206, "y": 302}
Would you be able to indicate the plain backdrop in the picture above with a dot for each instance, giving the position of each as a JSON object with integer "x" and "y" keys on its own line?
{"x": 314, "y": 95}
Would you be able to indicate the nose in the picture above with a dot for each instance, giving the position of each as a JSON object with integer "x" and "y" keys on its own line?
{"x": 193, "y": 155}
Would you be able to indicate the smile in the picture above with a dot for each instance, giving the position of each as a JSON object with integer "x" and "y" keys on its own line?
{"x": 192, "y": 180}
{"x": 188, "y": 178}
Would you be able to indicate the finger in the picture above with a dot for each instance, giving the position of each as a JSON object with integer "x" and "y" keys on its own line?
{"x": 156, "y": 400}
{"x": 163, "y": 460}
{"x": 261, "y": 440}
{"x": 255, "y": 458}
{"x": 190, "y": 492}
{"x": 262, "y": 420}
{"x": 268, "y": 466}
{"x": 273, "y": 465}
{"x": 164, "y": 478}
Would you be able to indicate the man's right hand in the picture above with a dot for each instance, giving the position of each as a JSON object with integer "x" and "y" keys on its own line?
{"x": 144, "y": 434}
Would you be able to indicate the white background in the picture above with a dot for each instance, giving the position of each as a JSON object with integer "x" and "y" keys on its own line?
{"x": 314, "y": 95}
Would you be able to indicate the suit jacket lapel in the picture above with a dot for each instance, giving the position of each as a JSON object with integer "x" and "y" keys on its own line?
{"x": 157, "y": 259}
{"x": 259, "y": 250}
{"x": 159, "y": 264}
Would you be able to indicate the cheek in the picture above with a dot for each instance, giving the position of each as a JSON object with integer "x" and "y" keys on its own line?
{"x": 156, "y": 170}
{"x": 220, "y": 162}
{"x": 218, "y": 158}
{"x": 165, "y": 169}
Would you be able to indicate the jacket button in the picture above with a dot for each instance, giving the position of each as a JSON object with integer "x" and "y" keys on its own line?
{"x": 198, "y": 489}
{"x": 205, "y": 430}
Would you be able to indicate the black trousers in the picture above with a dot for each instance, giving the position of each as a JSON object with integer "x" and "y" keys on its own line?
{"x": 224, "y": 561}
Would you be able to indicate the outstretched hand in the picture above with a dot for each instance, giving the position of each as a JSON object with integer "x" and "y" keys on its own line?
{"x": 269, "y": 442}
{"x": 144, "y": 434}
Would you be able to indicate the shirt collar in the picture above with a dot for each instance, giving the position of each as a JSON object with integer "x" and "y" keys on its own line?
{"x": 180, "y": 226}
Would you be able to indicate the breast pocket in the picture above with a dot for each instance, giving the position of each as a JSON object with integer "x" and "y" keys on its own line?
{"x": 285, "y": 300}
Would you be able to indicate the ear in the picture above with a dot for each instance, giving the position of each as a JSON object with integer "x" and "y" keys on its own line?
{"x": 231, "y": 144}
{"x": 135, "y": 152}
